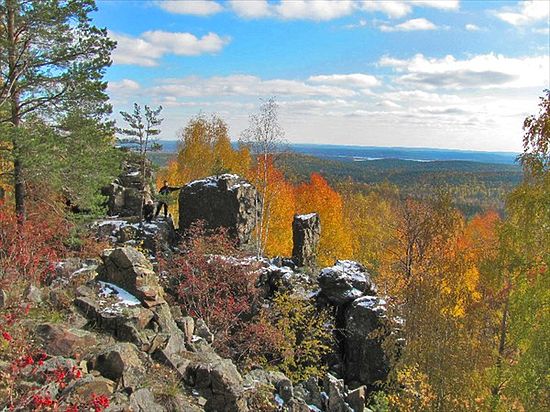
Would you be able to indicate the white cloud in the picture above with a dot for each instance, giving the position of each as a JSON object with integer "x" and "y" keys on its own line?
{"x": 543, "y": 30}
{"x": 400, "y": 8}
{"x": 320, "y": 10}
{"x": 355, "y": 80}
{"x": 413, "y": 97}
{"x": 148, "y": 48}
{"x": 323, "y": 10}
{"x": 394, "y": 9}
{"x": 438, "y": 4}
{"x": 314, "y": 9}
{"x": 526, "y": 12}
{"x": 246, "y": 85}
{"x": 251, "y": 9}
{"x": 482, "y": 71}
{"x": 410, "y": 25}
{"x": 195, "y": 7}
{"x": 123, "y": 85}
{"x": 472, "y": 27}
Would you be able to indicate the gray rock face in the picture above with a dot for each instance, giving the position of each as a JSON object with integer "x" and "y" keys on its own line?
{"x": 128, "y": 268}
{"x": 143, "y": 400}
{"x": 334, "y": 390}
{"x": 121, "y": 362}
{"x": 365, "y": 361}
{"x": 345, "y": 281}
{"x": 126, "y": 194}
{"x": 220, "y": 383}
{"x": 306, "y": 232}
{"x": 225, "y": 201}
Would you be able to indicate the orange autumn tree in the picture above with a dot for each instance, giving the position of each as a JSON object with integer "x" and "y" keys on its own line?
{"x": 276, "y": 230}
{"x": 318, "y": 196}
{"x": 432, "y": 273}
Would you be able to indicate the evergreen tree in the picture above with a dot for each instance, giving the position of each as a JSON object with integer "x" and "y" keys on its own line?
{"x": 52, "y": 59}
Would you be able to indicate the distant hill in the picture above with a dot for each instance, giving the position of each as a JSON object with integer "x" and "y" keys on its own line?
{"x": 370, "y": 153}
{"x": 476, "y": 180}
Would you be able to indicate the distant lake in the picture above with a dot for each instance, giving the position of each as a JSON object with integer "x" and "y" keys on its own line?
{"x": 370, "y": 153}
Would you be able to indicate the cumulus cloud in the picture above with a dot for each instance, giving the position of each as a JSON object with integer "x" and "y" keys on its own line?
{"x": 246, "y": 85}
{"x": 438, "y": 4}
{"x": 320, "y": 10}
{"x": 393, "y": 9}
{"x": 124, "y": 84}
{"x": 314, "y": 9}
{"x": 410, "y": 25}
{"x": 195, "y": 7}
{"x": 355, "y": 80}
{"x": 323, "y": 10}
{"x": 150, "y": 46}
{"x": 471, "y": 27}
{"x": 482, "y": 71}
{"x": 525, "y": 12}
{"x": 251, "y": 9}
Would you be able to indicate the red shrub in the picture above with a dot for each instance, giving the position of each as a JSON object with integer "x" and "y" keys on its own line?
{"x": 28, "y": 250}
{"x": 215, "y": 282}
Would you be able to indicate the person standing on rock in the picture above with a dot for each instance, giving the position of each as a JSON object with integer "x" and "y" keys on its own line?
{"x": 164, "y": 192}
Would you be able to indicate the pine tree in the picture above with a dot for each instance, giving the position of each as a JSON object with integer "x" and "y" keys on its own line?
{"x": 52, "y": 60}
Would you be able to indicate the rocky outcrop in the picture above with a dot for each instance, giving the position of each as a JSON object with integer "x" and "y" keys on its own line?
{"x": 225, "y": 201}
{"x": 131, "y": 270}
{"x": 126, "y": 194}
{"x": 365, "y": 361}
{"x": 156, "y": 236}
{"x": 306, "y": 232}
{"x": 345, "y": 282}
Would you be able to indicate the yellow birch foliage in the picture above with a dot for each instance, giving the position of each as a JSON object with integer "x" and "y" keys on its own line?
{"x": 278, "y": 209}
{"x": 204, "y": 150}
{"x": 366, "y": 216}
{"x": 438, "y": 294}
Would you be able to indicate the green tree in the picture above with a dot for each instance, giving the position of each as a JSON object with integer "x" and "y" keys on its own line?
{"x": 141, "y": 135}
{"x": 52, "y": 59}
{"x": 522, "y": 371}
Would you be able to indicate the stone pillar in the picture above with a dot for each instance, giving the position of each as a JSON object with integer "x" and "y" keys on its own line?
{"x": 306, "y": 231}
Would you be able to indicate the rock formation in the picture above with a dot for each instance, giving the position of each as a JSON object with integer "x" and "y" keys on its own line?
{"x": 306, "y": 232}
{"x": 345, "y": 282}
{"x": 126, "y": 194}
{"x": 225, "y": 201}
{"x": 365, "y": 361}
{"x": 359, "y": 312}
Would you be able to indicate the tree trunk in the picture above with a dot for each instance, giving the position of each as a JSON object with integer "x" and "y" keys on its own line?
{"x": 496, "y": 389}
{"x": 19, "y": 182}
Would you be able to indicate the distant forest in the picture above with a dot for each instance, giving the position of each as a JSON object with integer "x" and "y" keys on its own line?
{"x": 473, "y": 186}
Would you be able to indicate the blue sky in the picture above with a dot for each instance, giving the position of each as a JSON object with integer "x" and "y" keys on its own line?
{"x": 450, "y": 73}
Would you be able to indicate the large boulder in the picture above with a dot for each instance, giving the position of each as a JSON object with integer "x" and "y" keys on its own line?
{"x": 306, "y": 232}
{"x": 121, "y": 362}
{"x": 226, "y": 201}
{"x": 345, "y": 281}
{"x": 220, "y": 383}
{"x": 129, "y": 269}
{"x": 365, "y": 361}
